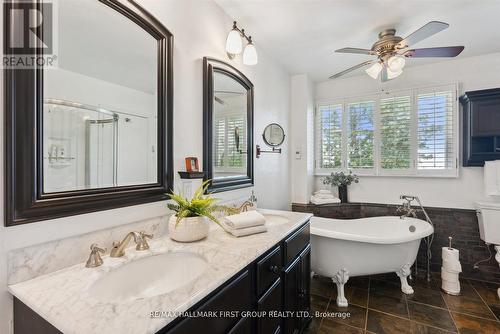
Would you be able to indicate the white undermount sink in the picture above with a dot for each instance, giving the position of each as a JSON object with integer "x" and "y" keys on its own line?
{"x": 149, "y": 276}
{"x": 275, "y": 219}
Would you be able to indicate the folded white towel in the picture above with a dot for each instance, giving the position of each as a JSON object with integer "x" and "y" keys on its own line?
{"x": 241, "y": 232}
{"x": 323, "y": 191}
{"x": 319, "y": 201}
{"x": 245, "y": 219}
{"x": 324, "y": 196}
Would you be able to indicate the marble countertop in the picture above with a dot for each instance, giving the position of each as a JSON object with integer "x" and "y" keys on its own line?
{"x": 63, "y": 299}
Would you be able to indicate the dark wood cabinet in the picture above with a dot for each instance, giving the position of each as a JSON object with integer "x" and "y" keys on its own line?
{"x": 297, "y": 292}
{"x": 280, "y": 292}
{"x": 481, "y": 126}
{"x": 269, "y": 296}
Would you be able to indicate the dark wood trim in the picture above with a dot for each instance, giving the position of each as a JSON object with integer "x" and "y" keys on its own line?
{"x": 211, "y": 65}
{"x": 25, "y": 201}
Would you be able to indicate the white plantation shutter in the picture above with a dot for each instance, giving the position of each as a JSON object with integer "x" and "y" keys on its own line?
{"x": 219, "y": 142}
{"x": 395, "y": 132}
{"x": 225, "y": 153}
{"x": 329, "y": 136}
{"x": 360, "y": 133}
{"x": 235, "y": 157}
{"x": 436, "y": 130}
{"x": 403, "y": 133}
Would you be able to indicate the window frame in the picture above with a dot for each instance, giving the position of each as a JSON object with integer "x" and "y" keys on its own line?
{"x": 378, "y": 171}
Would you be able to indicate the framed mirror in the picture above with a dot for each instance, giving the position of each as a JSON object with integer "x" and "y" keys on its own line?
{"x": 273, "y": 135}
{"x": 94, "y": 132}
{"x": 227, "y": 126}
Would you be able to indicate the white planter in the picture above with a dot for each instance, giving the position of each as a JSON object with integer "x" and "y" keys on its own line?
{"x": 189, "y": 229}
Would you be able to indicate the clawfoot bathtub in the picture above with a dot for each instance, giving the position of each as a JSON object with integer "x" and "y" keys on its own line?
{"x": 366, "y": 246}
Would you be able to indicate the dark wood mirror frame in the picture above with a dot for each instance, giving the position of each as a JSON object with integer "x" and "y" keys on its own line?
{"x": 25, "y": 201}
{"x": 210, "y": 66}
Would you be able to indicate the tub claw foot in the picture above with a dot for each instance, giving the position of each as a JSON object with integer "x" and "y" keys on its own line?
{"x": 340, "y": 279}
{"x": 403, "y": 274}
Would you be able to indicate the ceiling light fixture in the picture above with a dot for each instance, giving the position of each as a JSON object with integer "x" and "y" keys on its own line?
{"x": 374, "y": 70}
{"x": 396, "y": 63}
{"x": 234, "y": 46}
{"x": 393, "y": 74}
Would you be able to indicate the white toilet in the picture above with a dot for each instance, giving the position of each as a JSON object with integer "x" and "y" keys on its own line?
{"x": 488, "y": 216}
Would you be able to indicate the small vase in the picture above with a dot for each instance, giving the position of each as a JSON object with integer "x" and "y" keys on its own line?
{"x": 343, "y": 194}
{"x": 188, "y": 229}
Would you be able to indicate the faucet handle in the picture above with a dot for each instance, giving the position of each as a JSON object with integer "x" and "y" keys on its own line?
{"x": 95, "y": 259}
{"x": 142, "y": 243}
{"x": 96, "y": 248}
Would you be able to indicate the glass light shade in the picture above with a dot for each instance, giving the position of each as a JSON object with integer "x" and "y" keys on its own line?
{"x": 396, "y": 63}
{"x": 233, "y": 42}
{"x": 393, "y": 74}
{"x": 250, "y": 55}
{"x": 374, "y": 70}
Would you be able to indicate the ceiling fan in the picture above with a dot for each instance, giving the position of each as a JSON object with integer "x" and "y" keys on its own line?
{"x": 392, "y": 51}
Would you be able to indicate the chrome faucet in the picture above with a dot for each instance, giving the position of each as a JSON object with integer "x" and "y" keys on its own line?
{"x": 406, "y": 207}
{"x": 95, "y": 256}
{"x": 118, "y": 249}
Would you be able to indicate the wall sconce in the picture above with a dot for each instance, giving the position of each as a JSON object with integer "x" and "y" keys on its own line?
{"x": 234, "y": 46}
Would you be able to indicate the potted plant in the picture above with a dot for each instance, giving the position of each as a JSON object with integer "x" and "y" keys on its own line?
{"x": 341, "y": 180}
{"x": 190, "y": 221}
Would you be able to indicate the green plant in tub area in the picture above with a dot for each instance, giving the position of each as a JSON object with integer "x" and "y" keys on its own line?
{"x": 339, "y": 179}
{"x": 199, "y": 206}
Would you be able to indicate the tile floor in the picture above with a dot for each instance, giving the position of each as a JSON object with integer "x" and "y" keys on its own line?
{"x": 377, "y": 305}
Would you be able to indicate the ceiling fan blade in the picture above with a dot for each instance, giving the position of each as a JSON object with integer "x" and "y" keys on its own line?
{"x": 356, "y": 50}
{"x": 426, "y": 31}
{"x": 350, "y": 69}
{"x": 447, "y": 51}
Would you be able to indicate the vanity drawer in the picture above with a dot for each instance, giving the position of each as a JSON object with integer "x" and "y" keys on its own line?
{"x": 296, "y": 243}
{"x": 270, "y": 302}
{"x": 268, "y": 270}
{"x": 236, "y": 296}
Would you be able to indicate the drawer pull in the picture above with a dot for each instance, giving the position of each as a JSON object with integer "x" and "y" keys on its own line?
{"x": 275, "y": 269}
{"x": 302, "y": 293}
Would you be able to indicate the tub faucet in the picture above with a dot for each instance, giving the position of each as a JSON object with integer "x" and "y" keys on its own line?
{"x": 406, "y": 208}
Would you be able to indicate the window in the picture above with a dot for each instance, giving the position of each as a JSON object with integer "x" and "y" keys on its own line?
{"x": 395, "y": 132}
{"x": 435, "y": 130}
{"x": 330, "y": 134}
{"x": 406, "y": 133}
{"x": 226, "y": 154}
{"x": 360, "y": 135}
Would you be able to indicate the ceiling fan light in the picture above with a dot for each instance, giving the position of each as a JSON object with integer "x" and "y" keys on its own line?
{"x": 250, "y": 55}
{"x": 396, "y": 63}
{"x": 233, "y": 42}
{"x": 374, "y": 70}
{"x": 393, "y": 74}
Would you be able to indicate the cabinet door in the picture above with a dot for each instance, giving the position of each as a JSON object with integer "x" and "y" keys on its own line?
{"x": 305, "y": 278}
{"x": 271, "y": 302}
{"x": 292, "y": 289}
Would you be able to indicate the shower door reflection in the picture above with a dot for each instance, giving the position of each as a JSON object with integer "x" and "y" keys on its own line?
{"x": 88, "y": 147}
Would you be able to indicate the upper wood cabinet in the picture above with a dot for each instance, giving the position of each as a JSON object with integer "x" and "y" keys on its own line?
{"x": 481, "y": 126}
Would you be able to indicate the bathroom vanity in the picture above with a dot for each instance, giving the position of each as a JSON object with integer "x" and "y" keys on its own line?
{"x": 255, "y": 284}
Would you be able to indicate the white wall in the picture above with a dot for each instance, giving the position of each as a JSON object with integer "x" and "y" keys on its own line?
{"x": 302, "y": 128}
{"x": 199, "y": 29}
{"x": 472, "y": 74}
